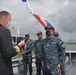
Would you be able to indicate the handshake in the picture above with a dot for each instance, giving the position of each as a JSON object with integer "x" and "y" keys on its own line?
{"x": 21, "y": 43}
{"x": 18, "y": 47}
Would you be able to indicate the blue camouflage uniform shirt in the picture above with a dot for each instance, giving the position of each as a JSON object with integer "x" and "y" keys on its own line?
{"x": 38, "y": 46}
{"x": 29, "y": 46}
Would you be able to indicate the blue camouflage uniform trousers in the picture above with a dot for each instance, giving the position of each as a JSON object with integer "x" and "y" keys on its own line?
{"x": 27, "y": 60}
{"x": 38, "y": 61}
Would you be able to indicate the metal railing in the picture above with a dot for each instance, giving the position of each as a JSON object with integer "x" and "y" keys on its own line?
{"x": 17, "y": 65}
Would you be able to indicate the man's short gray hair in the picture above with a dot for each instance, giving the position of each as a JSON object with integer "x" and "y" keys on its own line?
{"x": 4, "y": 14}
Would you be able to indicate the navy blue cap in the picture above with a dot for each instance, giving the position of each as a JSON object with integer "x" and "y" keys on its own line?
{"x": 49, "y": 27}
{"x": 39, "y": 33}
{"x": 27, "y": 34}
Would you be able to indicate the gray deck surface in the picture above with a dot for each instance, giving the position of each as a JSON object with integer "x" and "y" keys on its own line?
{"x": 70, "y": 70}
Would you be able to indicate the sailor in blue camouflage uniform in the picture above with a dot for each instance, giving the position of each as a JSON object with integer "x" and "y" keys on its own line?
{"x": 38, "y": 52}
{"x": 53, "y": 53}
{"x": 63, "y": 63}
{"x": 27, "y": 54}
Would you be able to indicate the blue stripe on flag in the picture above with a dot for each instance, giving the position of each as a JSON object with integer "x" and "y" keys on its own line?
{"x": 24, "y": 0}
{"x": 48, "y": 24}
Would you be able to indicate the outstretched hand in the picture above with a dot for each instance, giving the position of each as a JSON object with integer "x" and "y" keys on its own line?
{"x": 21, "y": 43}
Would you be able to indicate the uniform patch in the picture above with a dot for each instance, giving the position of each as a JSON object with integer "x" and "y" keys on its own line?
{"x": 63, "y": 45}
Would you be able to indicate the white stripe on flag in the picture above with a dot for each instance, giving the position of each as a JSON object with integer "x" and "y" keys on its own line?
{"x": 28, "y": 6}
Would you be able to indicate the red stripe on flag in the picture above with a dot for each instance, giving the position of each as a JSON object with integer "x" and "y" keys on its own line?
{"x": 39, "y": 19}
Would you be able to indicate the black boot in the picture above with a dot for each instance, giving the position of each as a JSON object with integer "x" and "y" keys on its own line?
{"x": 30, "y": 74}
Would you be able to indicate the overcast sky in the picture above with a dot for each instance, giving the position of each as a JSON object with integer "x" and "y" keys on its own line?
{"x": 60, "y": 13}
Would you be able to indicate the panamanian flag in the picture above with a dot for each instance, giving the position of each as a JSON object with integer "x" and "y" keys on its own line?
{"x": 42, "y": 21}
